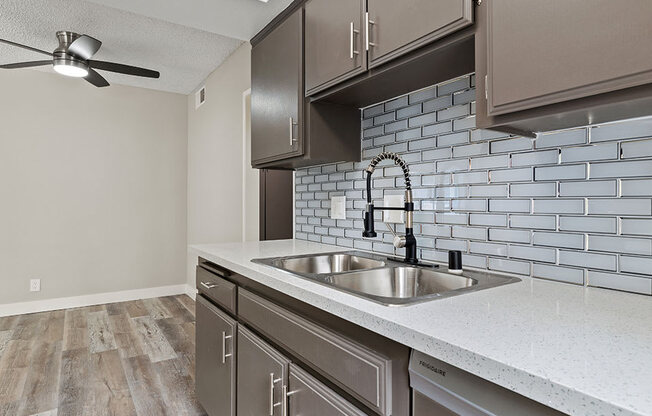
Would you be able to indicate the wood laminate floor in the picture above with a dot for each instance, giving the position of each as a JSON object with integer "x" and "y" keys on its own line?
{"x": 129, "y": 358}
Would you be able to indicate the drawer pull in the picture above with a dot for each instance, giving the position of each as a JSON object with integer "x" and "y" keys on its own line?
{"x": 208, "y": 285}
{"x": 224, "y": 354}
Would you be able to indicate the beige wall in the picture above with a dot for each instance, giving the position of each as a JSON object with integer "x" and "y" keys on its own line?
{"x": 216, "y": 151}
{"x": 92, "y": 187}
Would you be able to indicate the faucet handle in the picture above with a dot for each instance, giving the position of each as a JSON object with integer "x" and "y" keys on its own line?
{"x": 399, "y": 240}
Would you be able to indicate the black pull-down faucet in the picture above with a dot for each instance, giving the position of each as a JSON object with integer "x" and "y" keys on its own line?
{"x": 408, "y": 241}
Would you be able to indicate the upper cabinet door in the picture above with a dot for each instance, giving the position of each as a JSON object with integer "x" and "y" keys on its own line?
{"x": 334, "y": 46}
{"x": 399, "y": 26}
{"x": 545, "y": 52}
{"x": 277, "y": 92}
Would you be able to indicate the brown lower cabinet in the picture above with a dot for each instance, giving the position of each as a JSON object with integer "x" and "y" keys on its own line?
{"x": 307, "y": 396}
{"x": 215, "y": 359}
{"x": 277, "y": 356}
{"x": 269, "y": 384}
{"x": 262, "y": 376}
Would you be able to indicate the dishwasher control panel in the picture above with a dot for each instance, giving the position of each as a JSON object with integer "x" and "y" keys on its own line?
{"x": 449, "y": 390}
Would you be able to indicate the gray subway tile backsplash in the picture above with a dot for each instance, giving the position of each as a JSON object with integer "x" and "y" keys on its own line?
{"x": 557, "y": 239}
{"x": 543, "y": 157}
{"x": 510, "y": 145}
{"x": 620, "y": 244}
{"x": 543, "y": 222}
{"x": 636, "y": 187}
{"x": 573, "y": 206}
{"x": 604, "y": 151}
{"x": 636, "y": 226}
{"x": 584, "y": 189}
{"x": 512, "y": 236}
{"x": 512, "y": 175}
{"x": 636, "y": 148}
{"x": 562, "y": 274}
{"x": 533, "y": 189}
{"x": 561, "y": 138}
{"x": 623, "y": 206}
{"x": 552, "y": 173}
{"x": 509, "y": 266}
{"x": 628, "y": 283}
{"x": 621, "y": 169}
{"x": 627, "y": 129}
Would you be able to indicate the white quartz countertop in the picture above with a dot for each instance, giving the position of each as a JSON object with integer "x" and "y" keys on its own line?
{"x": 583, "y": 351}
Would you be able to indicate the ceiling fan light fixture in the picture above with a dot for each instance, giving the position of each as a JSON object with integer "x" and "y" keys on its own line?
{"x": 70, "y": 68}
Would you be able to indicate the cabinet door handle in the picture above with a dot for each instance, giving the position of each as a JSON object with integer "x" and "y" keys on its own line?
{"x": 285, "y": 400}
{"x": 367, "y": 23}
{"x": 208, "y": 285}
{"x": 352, "y": 51}
{"x": 272, "y": 405}
{"x": 224, "y": 354}
{"x": 271, "y": 394}
{"x": 292, "y": 124}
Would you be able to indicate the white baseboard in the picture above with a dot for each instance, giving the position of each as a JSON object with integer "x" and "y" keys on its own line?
{"x": 20, "y": 308}
{"x": 191, "y": 291}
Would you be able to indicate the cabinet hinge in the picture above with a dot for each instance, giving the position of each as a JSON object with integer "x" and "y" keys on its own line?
{"x": 486, "y": 88}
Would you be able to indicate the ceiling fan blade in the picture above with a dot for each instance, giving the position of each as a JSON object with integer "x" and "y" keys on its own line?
{"x": 25, "y": 64}
{"x": 84, "y": 47}
{"x": 96, "y": 79}
{"x": 124, "y": 69}
{"x": 8, "y": 42}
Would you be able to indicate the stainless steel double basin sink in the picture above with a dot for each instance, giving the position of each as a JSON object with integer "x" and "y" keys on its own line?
{"x": 383, "y": 279}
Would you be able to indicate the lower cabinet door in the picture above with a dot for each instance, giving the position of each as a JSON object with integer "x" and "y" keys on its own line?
{"x": 308, "y": 396}
{"x": 262, "y": 376}
{"x": 215, "y": 359}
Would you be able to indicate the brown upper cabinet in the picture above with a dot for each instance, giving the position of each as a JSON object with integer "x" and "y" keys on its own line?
{"x": 277, "y": 93}
{"x": 544, "y": 65}
{"x": 287, "y": 130}
{"x": 397, "y": 27}
{"x": 334, "y": 42}
{"x": 344, "y": 39}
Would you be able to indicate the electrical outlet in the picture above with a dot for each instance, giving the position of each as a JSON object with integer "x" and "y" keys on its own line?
{"x": 338, "y": 207}
{"x": 393, "y": 201}
{"x": 35, "y": 285}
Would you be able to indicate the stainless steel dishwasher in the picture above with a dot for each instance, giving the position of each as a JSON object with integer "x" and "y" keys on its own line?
{"x": 440, "y": 389}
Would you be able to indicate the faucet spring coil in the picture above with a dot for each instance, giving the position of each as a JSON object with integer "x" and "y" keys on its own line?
{"x": 397, "y": 160}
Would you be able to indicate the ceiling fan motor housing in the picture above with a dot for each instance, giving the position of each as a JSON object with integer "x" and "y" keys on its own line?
{"x": 65, "y": 62}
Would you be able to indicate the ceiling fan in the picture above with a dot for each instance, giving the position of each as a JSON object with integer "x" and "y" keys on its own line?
{"x": 73, "y": 58}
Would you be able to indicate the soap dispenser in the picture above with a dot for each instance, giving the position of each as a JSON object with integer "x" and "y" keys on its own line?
{"x": 455, "y": 262}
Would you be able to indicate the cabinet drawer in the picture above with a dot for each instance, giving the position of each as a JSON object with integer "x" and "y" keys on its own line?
{"x": 217, "y": 289}
{"x": 363, "y": 373}
{"x": 310, "y": 397}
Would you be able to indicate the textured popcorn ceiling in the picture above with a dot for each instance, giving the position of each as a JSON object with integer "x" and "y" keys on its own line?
{"x": 183, "y": 55}
{"x": 240, "y": 19}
